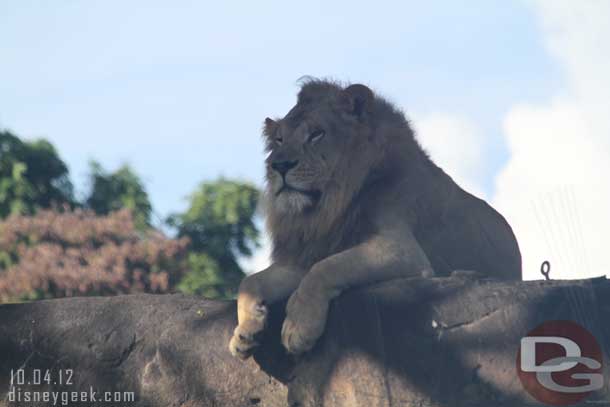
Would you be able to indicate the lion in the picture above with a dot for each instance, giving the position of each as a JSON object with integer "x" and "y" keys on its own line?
{"x": 352, "y": 199}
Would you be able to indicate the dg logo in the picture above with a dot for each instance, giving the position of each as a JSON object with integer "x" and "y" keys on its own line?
{"x": 560, "y": 363}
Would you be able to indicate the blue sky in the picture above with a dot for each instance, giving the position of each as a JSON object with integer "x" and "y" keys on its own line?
{"x": 179, "y": 92}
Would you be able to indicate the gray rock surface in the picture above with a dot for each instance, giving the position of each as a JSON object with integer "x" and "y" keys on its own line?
{"x": 418, "y": 342}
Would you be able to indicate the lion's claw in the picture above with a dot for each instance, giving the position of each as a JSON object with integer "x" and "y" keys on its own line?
{"x": 241, "y": 346}
{"x": 303, "y": 325}
{"x": 295, "y": 339}
{"x": 245, "y": 337}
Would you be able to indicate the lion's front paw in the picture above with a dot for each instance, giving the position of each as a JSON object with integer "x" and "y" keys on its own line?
{"x": 304, "y": 323}
{"x": 247, "y": 334}
{"x": 297, "y": 338}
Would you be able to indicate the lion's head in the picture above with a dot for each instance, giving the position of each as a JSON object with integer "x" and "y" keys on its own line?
{"x": 321, "y": 149}
{"x": 328, "y": 147}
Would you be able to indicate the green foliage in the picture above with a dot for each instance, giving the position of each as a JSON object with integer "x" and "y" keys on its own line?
{"x": 32, "y": 176}
{"x": 205, "y": 277}
{"x": 121, "y": 189}
{"x": 109, "y": 247}
{"x": 220, "y": 225}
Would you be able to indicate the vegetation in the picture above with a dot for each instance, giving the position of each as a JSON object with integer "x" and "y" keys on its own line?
{"x": 32, "y": 176}
{"x": 219, "y": 224}
{"x": 52, "y": 245}
{"x": 57, "y": 254}
{"x": 118, "y": 190}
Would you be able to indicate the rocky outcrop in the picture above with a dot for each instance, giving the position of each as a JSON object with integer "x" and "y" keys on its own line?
{"x": 417, "y": 342}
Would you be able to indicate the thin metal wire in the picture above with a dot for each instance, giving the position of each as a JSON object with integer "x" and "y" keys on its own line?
{"x": 550, "y": 223}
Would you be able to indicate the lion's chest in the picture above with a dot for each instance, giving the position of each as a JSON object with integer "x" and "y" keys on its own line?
{"x": 306, "y": 247}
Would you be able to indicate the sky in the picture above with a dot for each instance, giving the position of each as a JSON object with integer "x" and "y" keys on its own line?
{"x": 511, "y": 98}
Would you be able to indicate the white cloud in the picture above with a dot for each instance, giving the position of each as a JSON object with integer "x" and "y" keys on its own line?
{"x": 554, "y": 189}
{"x": 455, "y": 144}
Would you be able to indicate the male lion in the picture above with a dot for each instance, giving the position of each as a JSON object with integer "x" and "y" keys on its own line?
{"x": 352, "y": 199}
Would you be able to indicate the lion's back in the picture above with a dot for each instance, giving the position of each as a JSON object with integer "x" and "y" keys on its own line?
{"x": 471, "y": 235}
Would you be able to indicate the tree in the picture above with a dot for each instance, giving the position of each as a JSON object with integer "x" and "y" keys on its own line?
{"x": 32, "y": 175}
{"x": 57, "y": 254}
{"x": 121, "y": 189}
{"x": 220, "y": 225}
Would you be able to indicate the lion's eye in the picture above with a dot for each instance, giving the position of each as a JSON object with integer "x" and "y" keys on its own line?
{"x": 279, "y": 140}
{"x": 315, "y": 136}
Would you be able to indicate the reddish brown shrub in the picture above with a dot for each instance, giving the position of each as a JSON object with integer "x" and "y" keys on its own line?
{"x": 58, "y": 254}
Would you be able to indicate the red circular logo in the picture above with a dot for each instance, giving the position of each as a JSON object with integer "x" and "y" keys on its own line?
{"x": 560, "y": 363}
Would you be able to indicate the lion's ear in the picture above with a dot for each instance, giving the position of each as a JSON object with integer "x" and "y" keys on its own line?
{"x": 357, "y": 99}
{"x": 269, "y": 126}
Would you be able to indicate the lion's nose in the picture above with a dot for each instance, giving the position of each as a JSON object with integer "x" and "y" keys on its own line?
{"x": 283, "y": 166}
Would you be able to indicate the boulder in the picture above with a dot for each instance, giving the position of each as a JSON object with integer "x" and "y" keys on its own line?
{"x": 413, "y": 342}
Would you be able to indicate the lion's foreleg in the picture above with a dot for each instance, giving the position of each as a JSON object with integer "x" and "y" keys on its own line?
{"x": 256, "y": 291}
{"x": 378, "y": 259}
